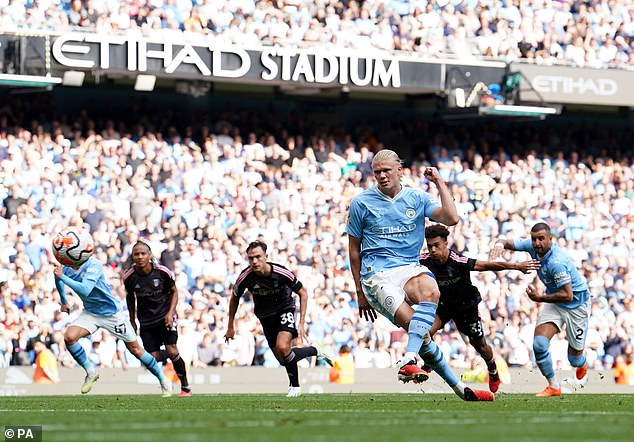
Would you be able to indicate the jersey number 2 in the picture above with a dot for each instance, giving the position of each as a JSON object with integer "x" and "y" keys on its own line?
{"x": 579, "y": 333}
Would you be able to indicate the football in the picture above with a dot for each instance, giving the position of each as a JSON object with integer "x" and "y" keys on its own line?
{"x": 73, "y": 246}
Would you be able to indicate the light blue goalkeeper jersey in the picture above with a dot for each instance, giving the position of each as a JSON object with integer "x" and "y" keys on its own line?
{"x": 89, "y": 283}
{"x": 392, "y": 230}
{"x": 558, "y": 269}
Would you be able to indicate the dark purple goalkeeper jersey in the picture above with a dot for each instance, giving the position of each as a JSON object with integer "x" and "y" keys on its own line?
{"x": 153, "y": 293}
{"x": 271, "y": 294}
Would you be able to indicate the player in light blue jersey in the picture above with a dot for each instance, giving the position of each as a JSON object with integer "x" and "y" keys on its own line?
{"x": 101, "y": 310}
{"x": 565, "y": 303}
{"x": 386, "y": 231}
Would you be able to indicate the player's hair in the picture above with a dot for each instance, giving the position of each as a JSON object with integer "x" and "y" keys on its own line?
{"x": 540, "y": 227}
{"x": 142, "y": 243}
{"x": 436, "y": 230}
{"x": 386, "y": 155}
{"x": 256, "y": 244}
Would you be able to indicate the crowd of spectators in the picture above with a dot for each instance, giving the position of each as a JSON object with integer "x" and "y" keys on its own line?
{"x": 199, "y": 193}
{"x": 593, "y": 33}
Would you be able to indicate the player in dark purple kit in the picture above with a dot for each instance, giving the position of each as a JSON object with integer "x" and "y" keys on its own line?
{"x": 152, "y": 297}
{"x": 272, "y": 286}
{"x": 459, "y": 298}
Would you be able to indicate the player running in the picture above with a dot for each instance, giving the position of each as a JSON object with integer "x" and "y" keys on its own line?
{"x": 101, "y": 310}
{"x": 271, "y": 286}
{"x": 565, "y": 302}
{"x": 152, "y": 297}
{"x": 459, "y": 298}
{"x": 385, "y": 235}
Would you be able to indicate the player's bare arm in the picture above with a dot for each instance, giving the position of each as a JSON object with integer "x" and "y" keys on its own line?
{"x": 233, "y": 308}
{"x": 169, "y": 316}
{"x": 564, "y": 294}
{"x": 301, "y": 327}
{"x": 354, "y": 250}
{"x": 524, "y": 266}
{"x": 447, "y": 214}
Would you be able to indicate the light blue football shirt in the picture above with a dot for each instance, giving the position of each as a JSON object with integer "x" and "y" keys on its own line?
{"x": 558, "y": 269}
{"x": 392, "y": 230}
{"x": 100, "y": 301}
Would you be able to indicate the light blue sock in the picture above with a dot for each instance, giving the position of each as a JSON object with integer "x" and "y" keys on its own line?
{"x": 78, "y": 353}
{"x": 422, "y": 320}
{"x": 432, "y": 355}
{"x": 542, "y": 356}
{"x": 577, "y": 361}
{"x": 151, "y": 364}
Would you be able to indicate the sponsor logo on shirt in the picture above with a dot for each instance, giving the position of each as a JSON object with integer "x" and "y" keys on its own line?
{"x": 449, "y": 281}
{"x": 148, "y": 293}
{"x": 390, "y": 230}
{"x": 264, "y": 292}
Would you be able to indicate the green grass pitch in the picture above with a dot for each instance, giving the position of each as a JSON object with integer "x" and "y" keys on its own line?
{"x": 327, "y": 417}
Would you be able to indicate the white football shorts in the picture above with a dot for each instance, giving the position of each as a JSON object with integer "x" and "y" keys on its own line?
{"x": 575, "y": 319}
{"x": 384, "y": 290}
{"x": 118, "y": 324}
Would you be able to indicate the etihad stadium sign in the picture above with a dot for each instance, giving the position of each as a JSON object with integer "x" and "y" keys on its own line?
{"x": 109, "y": 52}
{"x": 197, "y": 57}
{"x": 47, "y": 56}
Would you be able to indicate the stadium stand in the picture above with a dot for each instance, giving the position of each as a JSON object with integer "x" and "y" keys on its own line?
{"x": 199, "y": 190}
{"x": 579, "y": 33}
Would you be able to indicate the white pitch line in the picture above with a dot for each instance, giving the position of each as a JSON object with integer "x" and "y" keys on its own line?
{"x": 303, "y": 410}
{"x": 153, "y": 427}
